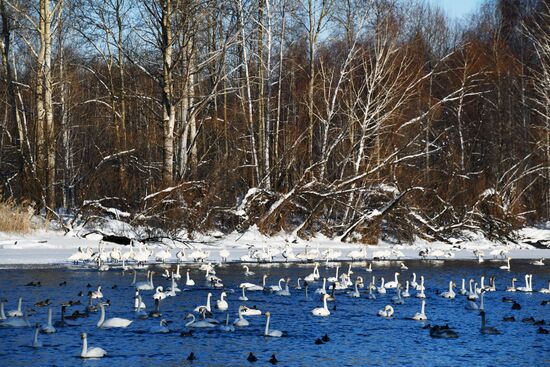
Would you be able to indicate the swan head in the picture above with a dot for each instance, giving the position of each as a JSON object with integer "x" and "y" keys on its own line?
{"x": 83, "y": 336}
{"x": 189, "y": 315}
{"x": 267, "y": 314}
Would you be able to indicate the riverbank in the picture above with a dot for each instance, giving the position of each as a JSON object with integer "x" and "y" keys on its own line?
{"x": 54, "y": 247}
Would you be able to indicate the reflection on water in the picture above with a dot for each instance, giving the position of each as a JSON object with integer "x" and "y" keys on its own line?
{"x": 358, "y": 336}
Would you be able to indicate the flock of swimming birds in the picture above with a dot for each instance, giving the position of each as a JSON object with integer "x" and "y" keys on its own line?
{"x": 203, "y": 316}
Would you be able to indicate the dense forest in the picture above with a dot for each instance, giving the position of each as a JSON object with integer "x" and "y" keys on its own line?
{"x": 358, "y": 119}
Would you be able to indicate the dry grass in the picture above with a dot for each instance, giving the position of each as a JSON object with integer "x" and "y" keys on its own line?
{"x": 15, "y": 218}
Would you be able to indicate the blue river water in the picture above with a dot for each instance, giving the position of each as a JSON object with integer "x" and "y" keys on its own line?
{"x": 358, "y": 337}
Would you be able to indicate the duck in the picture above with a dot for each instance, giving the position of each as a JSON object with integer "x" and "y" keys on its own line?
{"x": 48, "y": 329}
{"x": 450, "y": 294}
{"x": 221, "y": 304}
{"x": 322, "y": 311}
{"x": 516, "y": 306}
{"x": 393, "y": 284}
{"x": 92, "y": 352}
{"x": 271, "y": 333}
{"x": 241, "y": 321}
{"x": 227, "y": 327}
{"x": 491, "y": 330}
{"x": 160, "y": 328}
{"x": 251, "y": 357}
{"x": 247, "y": 272}
{"x": 43, "y": 303}
{"x": 198, "y": 324}
{"x": 115, "y": 322}
{"x": 18, "y": 311}
{"x": 442, "y": 332}
{"x": 387, "y": 312}
{"x": 509, "y": 318}
{"x": 273, "y": 359}
{"x": 421, "y": 316}
{"x": 542, "y": 330}
{"x": 191, "y": 357}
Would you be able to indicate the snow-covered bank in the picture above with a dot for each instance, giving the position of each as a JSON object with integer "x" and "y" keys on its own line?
{"x": 51, "y": 247}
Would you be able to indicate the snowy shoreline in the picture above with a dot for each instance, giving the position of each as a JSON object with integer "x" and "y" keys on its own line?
{"x": 54, "y": 248}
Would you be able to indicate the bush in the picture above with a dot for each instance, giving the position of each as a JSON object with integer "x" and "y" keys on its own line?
{"x": 15, "y": 218}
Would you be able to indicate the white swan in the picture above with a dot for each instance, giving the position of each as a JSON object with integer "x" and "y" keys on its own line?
{"x": 224, "y": 254}
{"x": 538, "y": 262}
{"x": 139, "y": 309}
{"x": 545, "y": 290}
{"x": 397, "y": 299}
{"x": 313, "y": 276}
{"x": 462, "y": 290}
{"x": 17, "y": 312}
{"x": 507, "y": 266}
{"x": 402, "y": 266}
{"x": 393, "y": 284}
{"x": 252, "y": 287}
{"x": 241, "y": 321}
{"x": 221, "y": 304}
{"x": 335, "y": 277}
{"x": 285, "y": 292}
{"x": 472, "y": 293}
{"x": 243, "y": 297}
{"x": 414, "y": 284}
{"x": 148, "y": 285}
{"x": 275, "y": 288}
{"x": 227, "y": 327}
{"x": 450, "y": 294}
{"x": 421, "y": 316}
{"x": 406, "y": 293}
{"x": 512, "y": 288}
{"x": 159, "y": 293}
{"x": 527, "y": 288}
{"x": 247, "y": 271}
{"x": 115, "y": 322}
{"x": 355, "y": 293}
{"x": 420, "y": 286}
{"x": 322, "y": 311}
{"x": 382, "y": 288}
{"x": 177, "y": 274}
{"x": 92, "y": 352}
{"x": 298, "y": 286}
{"x": 271, "y": 333}
{"x": 35, "y": 342}
{"x": 2, "y": 314}
{"x": 181, "y": 256}
{"x": 386, "y": 312}
{"x": 206, "y": 307}
{"x": 189, "y": 282}
{"x": 323, "y": 289}
{"x": 247, "y": 311}
{"x": 160, "y": 328}
{"x": 48, "y": 329}
{"x": 197, "y": 324}
{"x": 97, "y": 294}
{"x": 17, "y": 321}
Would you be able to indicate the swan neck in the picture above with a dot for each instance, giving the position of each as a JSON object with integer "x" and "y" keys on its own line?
{"x": 102, "y": 316}
{"x": 2, "y": 313}
{"x": 266, "y": 332}
{"x": 325, "y": 306}
{"x": 84, "y": 346}
{"x": 19, "y": 304}
{"x": 50, "y": 316}
{"x": 422, "y": 307}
